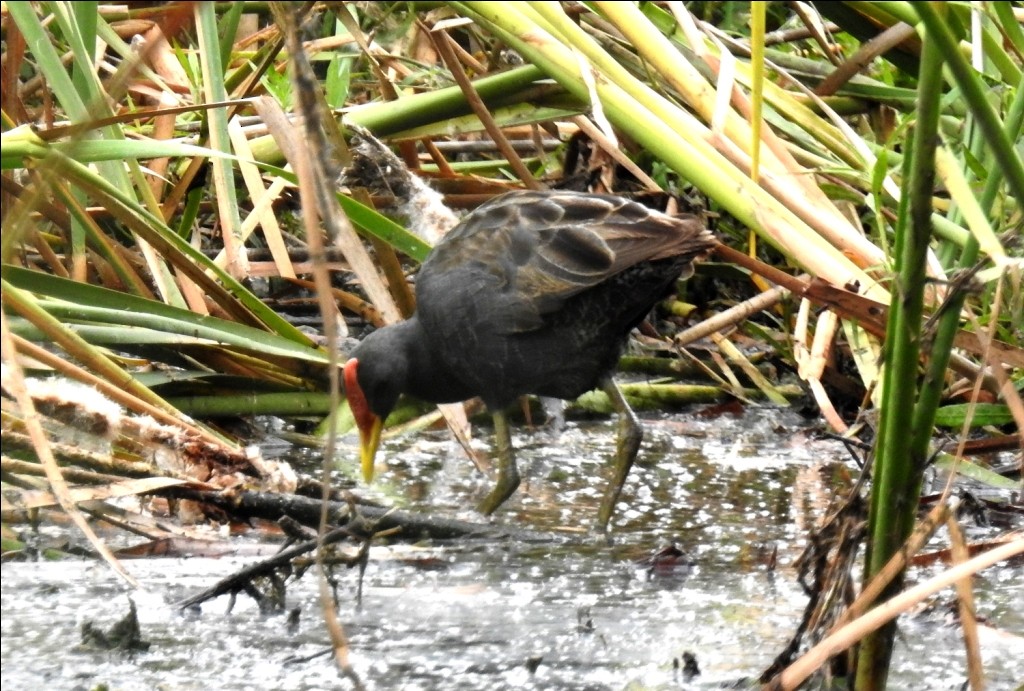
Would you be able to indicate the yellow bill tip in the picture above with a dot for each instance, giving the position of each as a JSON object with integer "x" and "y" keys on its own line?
{"x": 368, "y": 448}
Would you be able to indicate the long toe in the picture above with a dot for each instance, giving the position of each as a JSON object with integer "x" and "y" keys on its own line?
{"x": 504, "y": 488}
{"x": 508, "y": 472}
{"x": 630, "y": 435}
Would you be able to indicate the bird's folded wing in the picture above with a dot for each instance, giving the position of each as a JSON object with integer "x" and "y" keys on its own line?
{"x": 522, "y": 256}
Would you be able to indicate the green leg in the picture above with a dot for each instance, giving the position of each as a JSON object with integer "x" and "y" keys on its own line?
{"x": 508, "y": 473}
{"x": 630, "y": 436}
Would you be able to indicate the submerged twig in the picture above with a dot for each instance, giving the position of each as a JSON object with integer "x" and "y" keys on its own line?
{"x": 239, "y": 581}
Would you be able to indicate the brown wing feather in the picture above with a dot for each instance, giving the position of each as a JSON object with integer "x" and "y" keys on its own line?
{"x": 538, "y": 249}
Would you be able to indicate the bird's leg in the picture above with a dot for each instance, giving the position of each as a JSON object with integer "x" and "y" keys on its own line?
{"x": 630, "y": 436}
{"x": 508, "y": 473}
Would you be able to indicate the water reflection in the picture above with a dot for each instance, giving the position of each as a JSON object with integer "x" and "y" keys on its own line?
{"x": 731, "y": 495}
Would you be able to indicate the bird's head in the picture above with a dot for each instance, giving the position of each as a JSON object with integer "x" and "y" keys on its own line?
{"x": 373, "y": 383}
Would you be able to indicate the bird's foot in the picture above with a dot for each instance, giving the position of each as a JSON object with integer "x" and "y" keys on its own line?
{"x": 630, "y": 434}
{"x": 605, "y": 511}
{"x": 508, "y": 482}
{"x": 508, "y": 472}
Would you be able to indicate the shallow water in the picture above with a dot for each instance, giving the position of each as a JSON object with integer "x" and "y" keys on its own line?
{"x": 471, "y": 615}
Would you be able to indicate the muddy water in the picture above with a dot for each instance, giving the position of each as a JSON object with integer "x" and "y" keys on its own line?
{"x": 581, "y": 614}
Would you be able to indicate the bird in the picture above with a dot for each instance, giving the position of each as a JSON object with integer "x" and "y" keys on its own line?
{"x": 534, "y": 292}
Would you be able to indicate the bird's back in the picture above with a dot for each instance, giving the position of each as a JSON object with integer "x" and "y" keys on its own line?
{"x": 536, "y": 292}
